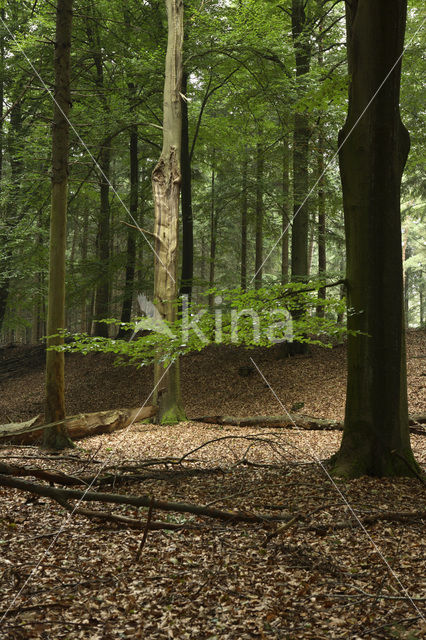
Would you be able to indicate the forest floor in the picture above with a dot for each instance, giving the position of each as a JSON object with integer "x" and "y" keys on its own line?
{"x": 348, "y": 561}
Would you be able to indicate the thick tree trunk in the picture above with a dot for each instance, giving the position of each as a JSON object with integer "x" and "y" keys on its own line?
{"x": 166, "y": 180}
{"x": 258, "y": 263}
{"x": 376, "y": 437}
{"x": 57, "y": 437}
{"x": 186, "y": 196}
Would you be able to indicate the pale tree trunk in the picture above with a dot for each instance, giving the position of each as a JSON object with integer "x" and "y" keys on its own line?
{"x": 376, "y": 435}
{"x": 166, "y": 180}
{"x": 57, "y": 437}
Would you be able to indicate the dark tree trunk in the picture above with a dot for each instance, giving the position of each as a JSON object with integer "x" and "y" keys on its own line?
{"x": 103, "y": 285}
{"x": 322, "y": 255}
{"x": 4, "y": 282}
{"x": 57, "y": 437}
{"x": 299, "y": 238}
{"x": 126, "y": 311}
{"x": 376, "y": 436}
{"x": 244, "y": 210}
{"x": 258, "y": 264}
{"x": 186, "y": 199}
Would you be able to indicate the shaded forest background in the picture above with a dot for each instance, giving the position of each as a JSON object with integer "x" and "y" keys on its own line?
{"x": 264, "y": 100}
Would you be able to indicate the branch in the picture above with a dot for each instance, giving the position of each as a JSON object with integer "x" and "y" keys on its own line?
{"x": 135, "y": 501}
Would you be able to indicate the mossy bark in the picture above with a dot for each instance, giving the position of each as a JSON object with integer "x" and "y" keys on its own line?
{"x": 375, "y": 146}
{"x": 166, "y": 181}
{"x": 57, "y": 437}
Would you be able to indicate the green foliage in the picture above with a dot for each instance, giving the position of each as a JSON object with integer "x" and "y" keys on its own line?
{"x": 254, "y": 318}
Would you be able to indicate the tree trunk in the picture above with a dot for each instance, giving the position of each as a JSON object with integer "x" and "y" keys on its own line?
{"x": 126, "y": 311}
{"x": 259, "y": 217}
{"x": 186, "y": 196}
{"x": 244, "y": 210}
{"x": 103, "y": 285}
{"x": 166, "y": 179}
{"x": 57, "y": 437}
{"x": 285, "y": 219}
{"x": 4, "y": 282}
{"x": 299, "y": 238}
{"x": 376, "y": 436}
{"x": 322, "y": 256}
{"x": 213, "y": 232}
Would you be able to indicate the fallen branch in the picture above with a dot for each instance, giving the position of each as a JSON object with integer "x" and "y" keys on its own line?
{"x": 295, "y": 421}
{"x": 116, "y": 478}
{"x": 130, "y": 523}
{"x": 65, "y": 495}
{"x": 79, "y": 426}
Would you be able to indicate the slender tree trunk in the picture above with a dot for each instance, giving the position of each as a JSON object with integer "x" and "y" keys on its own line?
{"x": 213, "y": 232}
{"x": 322, "y": 256}
{"x": 285, "y": 218}
{"x": 103, "y": 285}
{"x": 186, "y": 197}
{"x": 166, "y": 180}
{"x": 259, "y": 216}
{"x": 57, "y": 437}
{"x": 299, "y": 238}
{"x": 244, "y": 210}
{"x": 4, "y": 282}
{"x": 376, "y": 435}
{"x": 126, "y": 311}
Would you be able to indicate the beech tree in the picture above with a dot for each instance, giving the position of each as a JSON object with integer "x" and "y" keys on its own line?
{"x": 57, "y": 437}
{"x": 166, "y": 181}
{"x": 374, "y": 149}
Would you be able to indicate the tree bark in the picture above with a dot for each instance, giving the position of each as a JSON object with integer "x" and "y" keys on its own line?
{"x": 186, "y": 197}
{"x": 57, "y": 437}
{"x": 80, "y": 426}
{"x": 376, "y": 437}
{"x": 166, "y": 181}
